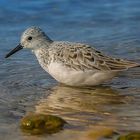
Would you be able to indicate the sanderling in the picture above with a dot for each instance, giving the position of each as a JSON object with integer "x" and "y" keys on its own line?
{"x": 73, "y": 64}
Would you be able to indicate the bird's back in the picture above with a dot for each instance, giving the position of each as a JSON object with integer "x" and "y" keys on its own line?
{"x": 83, "y": 57}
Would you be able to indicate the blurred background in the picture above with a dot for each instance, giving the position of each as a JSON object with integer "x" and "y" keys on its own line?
{"x": 110, "y": 26}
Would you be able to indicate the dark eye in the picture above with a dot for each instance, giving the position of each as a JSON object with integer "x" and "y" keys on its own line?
{"x": 29, "y": 38}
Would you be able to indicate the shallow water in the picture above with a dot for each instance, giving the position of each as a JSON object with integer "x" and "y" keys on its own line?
{"x": 110, "y": 26}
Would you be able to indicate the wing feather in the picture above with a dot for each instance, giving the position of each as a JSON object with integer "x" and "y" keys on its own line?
{"x": 84, "y": 57}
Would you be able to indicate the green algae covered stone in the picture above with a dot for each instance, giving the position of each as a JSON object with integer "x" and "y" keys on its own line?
{"x": 40, "y": 123}
{"x": 131, "y": 136}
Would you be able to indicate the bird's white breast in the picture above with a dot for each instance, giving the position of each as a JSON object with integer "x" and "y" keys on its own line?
{"x": 73, "y": 77}
{"x": 67, "y": 75}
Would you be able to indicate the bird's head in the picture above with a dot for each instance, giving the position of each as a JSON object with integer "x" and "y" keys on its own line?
{"x": 32, "y": 38}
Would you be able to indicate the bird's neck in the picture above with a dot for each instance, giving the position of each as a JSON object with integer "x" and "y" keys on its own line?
{"x": 42, "y": 55}
{"x": 43, "y": 42}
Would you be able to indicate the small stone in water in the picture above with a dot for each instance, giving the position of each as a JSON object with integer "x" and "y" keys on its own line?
{"x": 40, "y": 123}
{"x": 130, "y": 136}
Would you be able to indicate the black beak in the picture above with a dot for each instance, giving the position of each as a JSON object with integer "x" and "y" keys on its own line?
{"x": 19, "y": 47}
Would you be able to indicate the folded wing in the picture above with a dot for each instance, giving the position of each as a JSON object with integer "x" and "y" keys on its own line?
{"x": 84, "y": 57}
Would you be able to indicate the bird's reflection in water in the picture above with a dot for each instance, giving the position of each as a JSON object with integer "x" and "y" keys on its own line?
{"x": 81, "y": 105}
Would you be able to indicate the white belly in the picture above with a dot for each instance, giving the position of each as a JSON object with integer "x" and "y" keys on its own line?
{"x": 72, "y": 77}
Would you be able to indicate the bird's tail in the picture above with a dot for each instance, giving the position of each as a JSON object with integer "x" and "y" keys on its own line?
{"x": 121, "y": 64}
{"x": 131, "y": 64}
